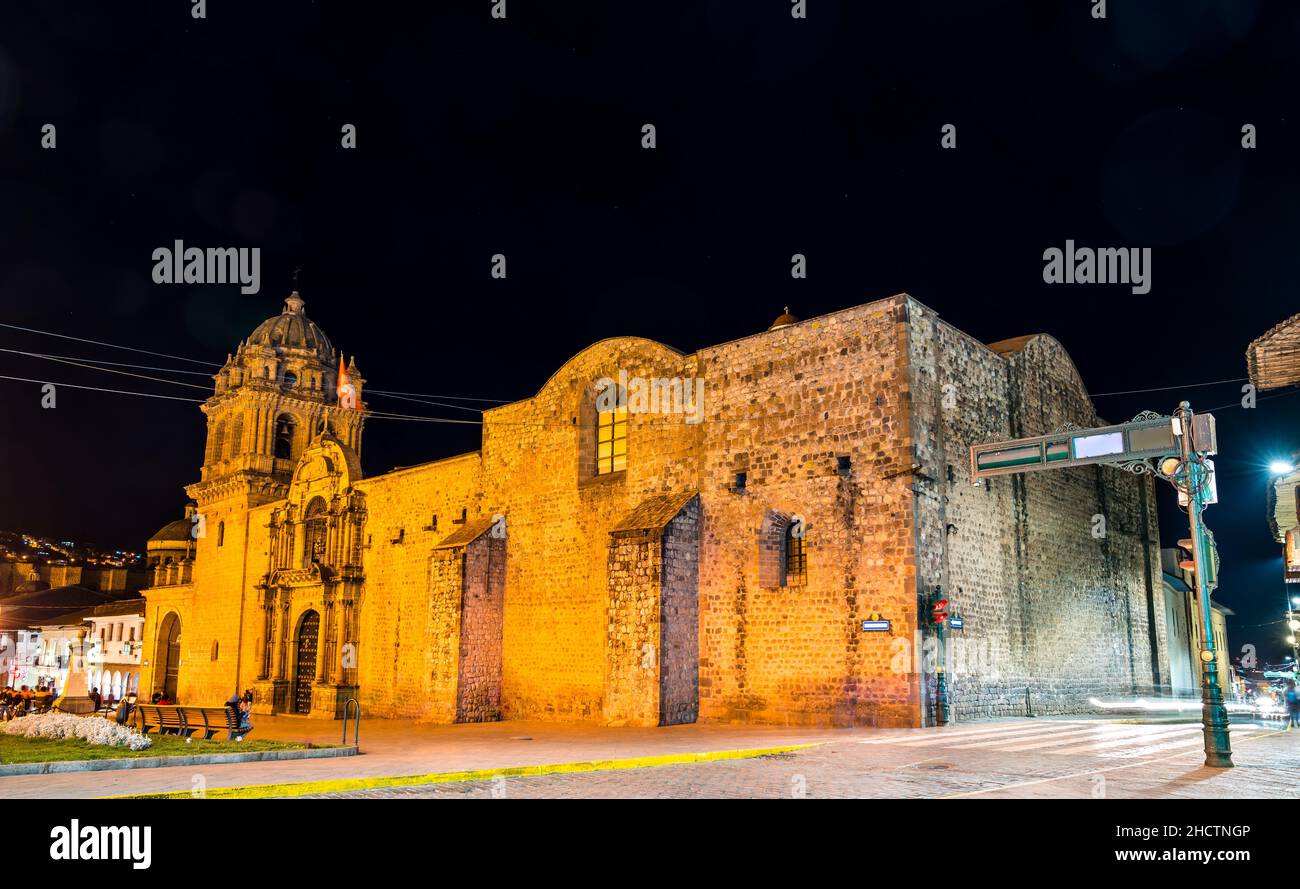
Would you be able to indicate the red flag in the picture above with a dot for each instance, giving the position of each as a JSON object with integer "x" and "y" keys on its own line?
{"x": 347, "y": 396}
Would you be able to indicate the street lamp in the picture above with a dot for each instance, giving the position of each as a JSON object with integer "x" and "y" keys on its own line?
{"x": 1281, "y": 467}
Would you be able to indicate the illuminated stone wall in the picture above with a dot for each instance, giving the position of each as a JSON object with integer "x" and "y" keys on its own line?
{"x": 1057, "y": 572}
{"x": 785, "y": 406}
{"x": 656, "y": 594}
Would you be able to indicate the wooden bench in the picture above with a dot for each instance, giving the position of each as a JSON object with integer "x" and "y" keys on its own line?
{"x": 186, "y": 721}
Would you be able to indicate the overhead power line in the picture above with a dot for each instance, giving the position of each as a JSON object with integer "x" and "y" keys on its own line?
{"x": 101, "y": 389}
{"x": 1168, "y": 388}
{"x": 109, "y": 345}
{"x": 197, "y": 361}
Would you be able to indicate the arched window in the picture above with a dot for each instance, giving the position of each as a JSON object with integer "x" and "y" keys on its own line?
{"x": 796, "y": 557}
{"x": 284, "y": 437}
{"x": 236, "y": 435}
{"x": 221, "y": 533}
{"x": 219, "y": 442}
{"x": 316, "y": 530}
{"x": 611, "y": 431}
{"x": 290, "y": 379}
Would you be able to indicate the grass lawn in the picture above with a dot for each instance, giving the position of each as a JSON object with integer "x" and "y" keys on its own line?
{"x": 14, "y": 749}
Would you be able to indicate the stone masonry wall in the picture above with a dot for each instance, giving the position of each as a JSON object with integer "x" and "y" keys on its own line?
{"x": 539, "y": 471}
{"x": 633, "y": 649}
{"x": 407, "y": 663}
{"x": 679, "y": 636}
{"x": 482, "y": 605}
{"x": 1051, "y": 610}
{"x": 224, "y": 605}
{"x": 783, "y": 407}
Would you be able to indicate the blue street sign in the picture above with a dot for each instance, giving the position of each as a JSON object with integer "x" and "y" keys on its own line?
{"x": 956, "y": 623}
{"x": 870, "y": 626}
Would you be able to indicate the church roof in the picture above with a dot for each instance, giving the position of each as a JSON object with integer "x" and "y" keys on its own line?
{"x": 180, "y": 529}
{"x": 785, "y": 319}
{"x": 292, "y": 329}
{"x": 1011, "y": 346}
{"x": 468, "y": 533}
{"x": 653, "y": 512}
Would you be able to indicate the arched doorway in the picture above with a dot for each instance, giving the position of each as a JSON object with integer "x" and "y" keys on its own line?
{"x": 305, "y": 672}
{"x": 167, "y": 658}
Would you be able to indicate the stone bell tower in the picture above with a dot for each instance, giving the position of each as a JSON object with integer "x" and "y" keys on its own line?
{"x": 283, "y": 386}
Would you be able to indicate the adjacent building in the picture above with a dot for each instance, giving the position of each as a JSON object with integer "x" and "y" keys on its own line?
{"x": 1274, "y": 363}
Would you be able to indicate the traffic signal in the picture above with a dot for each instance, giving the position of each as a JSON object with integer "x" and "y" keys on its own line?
{"x": 1186, "y": 546}
{"x": 939, "y": 609}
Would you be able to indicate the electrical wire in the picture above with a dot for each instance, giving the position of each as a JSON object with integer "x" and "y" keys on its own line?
{"x": 102, "y": 389}
{"x": 1168, "y": 388}
{"x": 110, "y": 345}
{"x": 197, "y": 361}
{"x": 125, "y": 373}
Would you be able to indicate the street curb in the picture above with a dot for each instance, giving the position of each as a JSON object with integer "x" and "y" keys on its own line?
{"x": 337, "y": 785}
{"x": 161, "y": 762}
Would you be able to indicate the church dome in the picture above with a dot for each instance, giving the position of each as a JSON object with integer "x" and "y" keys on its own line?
{"x": 292, "y": 329}
{"x": 785, "y": 319}
{"x": 181, "y": 529}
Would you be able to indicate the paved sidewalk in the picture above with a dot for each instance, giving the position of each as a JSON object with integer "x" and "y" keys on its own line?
{"x": 1078, "y": 758}
{"x": 1017, "y": 759}
{"x": 400, "y": 747}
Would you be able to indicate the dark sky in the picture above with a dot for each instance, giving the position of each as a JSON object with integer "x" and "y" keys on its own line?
{"x": 775, "y": 136}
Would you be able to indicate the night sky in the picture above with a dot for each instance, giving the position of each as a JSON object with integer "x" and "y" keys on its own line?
{"x": 522, "y": 136}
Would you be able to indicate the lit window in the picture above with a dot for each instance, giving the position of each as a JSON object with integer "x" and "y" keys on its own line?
{"x": 796, "y": 558}
{"x": 611, "y": 440}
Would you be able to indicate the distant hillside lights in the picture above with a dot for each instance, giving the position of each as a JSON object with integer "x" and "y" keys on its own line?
{"x": 659, "y": 395}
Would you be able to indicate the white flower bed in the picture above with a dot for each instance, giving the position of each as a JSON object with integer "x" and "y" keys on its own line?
{"x": 95, "y": 729}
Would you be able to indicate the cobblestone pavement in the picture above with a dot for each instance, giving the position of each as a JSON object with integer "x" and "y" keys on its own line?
{"x": 395, "y": 747}
{"x": 1086, "y": 759}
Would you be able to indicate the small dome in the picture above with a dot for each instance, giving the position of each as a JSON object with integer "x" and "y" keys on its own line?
{"x": 785, "y": 320}
{"x": 181, "y": 529}
{"x": 292, "y": 329}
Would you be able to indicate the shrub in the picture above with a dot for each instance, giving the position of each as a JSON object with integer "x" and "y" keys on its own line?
{"x": 93, "y": 729}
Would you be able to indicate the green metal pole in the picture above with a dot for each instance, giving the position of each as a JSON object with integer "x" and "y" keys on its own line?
{"x": 1214, "y": 716}
{"x": 941, "y": 679}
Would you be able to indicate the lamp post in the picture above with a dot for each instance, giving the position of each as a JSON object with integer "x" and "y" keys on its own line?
{"x": 1214, "y": 716}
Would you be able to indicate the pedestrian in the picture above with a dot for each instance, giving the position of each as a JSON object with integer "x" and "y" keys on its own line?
{"x": 1292, "y": 705}
{"x": 96, "y": 699}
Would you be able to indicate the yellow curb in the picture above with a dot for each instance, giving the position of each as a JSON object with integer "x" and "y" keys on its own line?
{"x": 337, "y": 785}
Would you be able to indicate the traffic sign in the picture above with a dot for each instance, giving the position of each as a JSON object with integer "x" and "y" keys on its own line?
{"x": 875, "y": 626}
{"x": 1138, "y": 440}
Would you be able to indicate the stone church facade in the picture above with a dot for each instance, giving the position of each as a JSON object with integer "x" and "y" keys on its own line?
{"x": 602, "y": 561}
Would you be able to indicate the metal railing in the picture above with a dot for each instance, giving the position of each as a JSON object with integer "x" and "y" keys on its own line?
{"x": 356, "y": 725}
